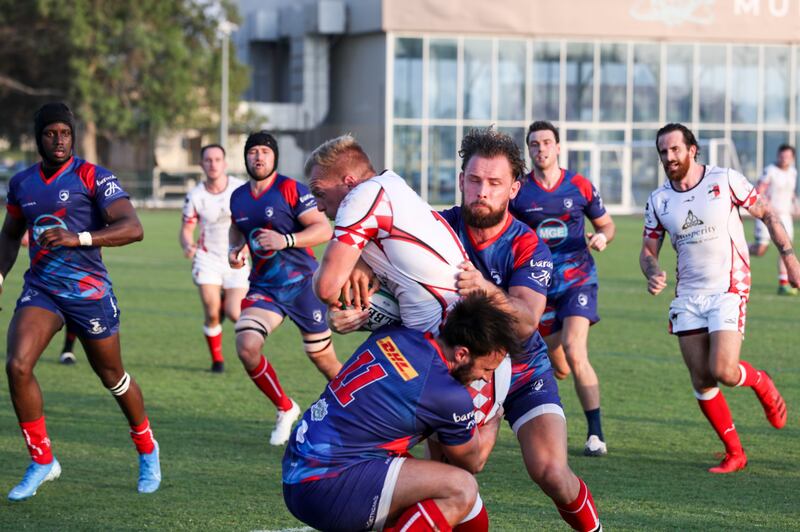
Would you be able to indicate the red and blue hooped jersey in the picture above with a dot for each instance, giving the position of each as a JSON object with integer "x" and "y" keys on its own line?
{"x": 392, "y": 393}
{"x": 515, "y": 257}
{"x": 557, "y": 216}
{"x": 73, "y": 198}
{"x": 277, "y": 208}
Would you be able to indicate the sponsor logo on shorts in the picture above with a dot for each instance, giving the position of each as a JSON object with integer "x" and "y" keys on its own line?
{"x": 30, "y": 293}
{"x": 319, "y": 410}
{"x": 538, "y": 385}
{"x": 396, "y": 358}
{"x": 300, "y": 436}
{"x": 317, "y": 315}
{"x": 63, "y": 195}
{"x": 583, "y": 300}
{"x": 97, "y": 328}
{"x": 112, "y": 189}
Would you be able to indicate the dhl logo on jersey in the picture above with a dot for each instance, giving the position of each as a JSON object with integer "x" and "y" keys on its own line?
{"x": 397, "y": 359}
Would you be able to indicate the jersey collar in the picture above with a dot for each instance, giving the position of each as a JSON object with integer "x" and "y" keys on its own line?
{"x": 554, "y": 187}
{"x": 48, "y": 180}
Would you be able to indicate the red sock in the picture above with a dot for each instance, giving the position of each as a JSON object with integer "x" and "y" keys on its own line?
{"x": 35, "y": 433}
{"x": 581, "y": 514}
{"x": 750, "y": 375}
{"x": 214, "y": 340}
{"x": 715, "y": 408}
{"x": 267, "y": 381}
{"x": 142, "y": 436}
{"x": 423, "y": 516}
{"x": 476, "y": 521}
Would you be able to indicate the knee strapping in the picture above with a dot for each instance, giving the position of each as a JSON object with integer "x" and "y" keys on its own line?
{"x": 121, "y": 388}
{"x": 252, "y": 324}
{"x": 312, "y": 347}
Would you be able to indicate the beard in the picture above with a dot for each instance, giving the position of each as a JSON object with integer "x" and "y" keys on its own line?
{"x": 679, "y": 172}
{"x": 475, "y": 219}
{"x": 252, "y": 174}
{"x": 462, "y": 373}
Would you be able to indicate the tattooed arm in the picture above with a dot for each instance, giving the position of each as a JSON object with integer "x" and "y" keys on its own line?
{"x": 762, "y": 210}
{"x": 648, "y": 261}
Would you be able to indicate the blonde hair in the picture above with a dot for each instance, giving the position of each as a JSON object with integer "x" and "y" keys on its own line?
{"x": 340, "y": 153}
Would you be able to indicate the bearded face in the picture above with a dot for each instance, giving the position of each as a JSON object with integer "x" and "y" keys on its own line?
{"x": 480, "y": 215}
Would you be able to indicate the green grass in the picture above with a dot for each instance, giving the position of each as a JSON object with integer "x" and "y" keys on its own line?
{"x": 220, "y": 473}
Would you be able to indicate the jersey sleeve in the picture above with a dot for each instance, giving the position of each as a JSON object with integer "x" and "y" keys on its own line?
{"x": 305, "y": 199}
{"x": 107, "y": 189}
{"x": 652, "y": 225}
{"x": 363, "y": 213}
{"x": 451, "y": 217}
{"x": 533, "y": 264}
{"x": 12, "y": 202}
{"x": 189, "y": 211}
{"x": 594, "y": 209}
{"x": 743, "y": 194}
{"x": 446, "y": 408}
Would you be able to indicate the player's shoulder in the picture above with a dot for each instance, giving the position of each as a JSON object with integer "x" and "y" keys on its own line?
{"x": 22, "y": 175}
{"x": 196, "y": 191}
{"x": 452, "y": 215}
{"x": 583, "y": 185}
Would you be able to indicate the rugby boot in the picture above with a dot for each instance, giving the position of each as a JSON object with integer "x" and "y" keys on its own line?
{"x": 149, "y": 471}
{"x": 217, "y": 366}
{"x": 283, "y": 424}
{"x": 786, "y": 290}
{"x": 67, "y": 358}
{"x": 595, "y": 446}
{"x": 731, "y": 463}
{"x": 35, "y": 476}
{"x": 772, "y": 401}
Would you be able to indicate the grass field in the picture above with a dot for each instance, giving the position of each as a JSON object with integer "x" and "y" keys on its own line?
{"x": 221, "y": 474}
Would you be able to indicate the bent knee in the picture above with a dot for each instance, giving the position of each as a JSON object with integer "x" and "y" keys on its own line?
{"x": 17, "y": 369}
{"x": 728, "y": 375}
{"x": 553, "y": 478}
{"x": 463, "y": 488}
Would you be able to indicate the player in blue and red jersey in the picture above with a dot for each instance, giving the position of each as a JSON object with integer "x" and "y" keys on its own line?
{"x": 70, "y": 208}
{"x": 554, "y": 202}
{"x": 347, "y": 467}
{"x": 277, "y": 218}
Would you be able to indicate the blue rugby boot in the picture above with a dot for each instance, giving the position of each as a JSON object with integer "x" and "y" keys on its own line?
{"x": 149, "y": 471}
{"x": 35, "y": 476}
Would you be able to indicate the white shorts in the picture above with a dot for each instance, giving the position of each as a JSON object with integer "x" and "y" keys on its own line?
{"x": 762, "y": 233}
{"x": 718, "y": 312}
{"x": 214, "y": 270}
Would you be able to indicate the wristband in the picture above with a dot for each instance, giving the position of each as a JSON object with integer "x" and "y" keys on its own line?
{"x": 290, "y": 240}
{"x": 786, "y": 252}
{"x": 2, "y": 278}
{"x": 85, "y": 238}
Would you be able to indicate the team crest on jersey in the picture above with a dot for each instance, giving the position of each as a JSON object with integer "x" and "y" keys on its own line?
{"x": 713, "y": 191}
{"x": 317, "y": 315}
{"x": 96, "y": 327}
{"x": 269, "y": 211}
{"x": 665, "y": 207}
{"x": 567, "y": 203}
{"x": 396, "y": 358}
{"x": 496, "y": 277}
{"x": 319, "y": 410}
{"x": 63, "y": 195}
{"x": 691, "y": 221}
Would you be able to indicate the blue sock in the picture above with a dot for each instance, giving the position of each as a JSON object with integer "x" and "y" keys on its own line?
{"x": 593, "y": 419}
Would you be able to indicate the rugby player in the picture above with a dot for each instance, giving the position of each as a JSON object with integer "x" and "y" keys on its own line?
{"x": 698, "y": 206}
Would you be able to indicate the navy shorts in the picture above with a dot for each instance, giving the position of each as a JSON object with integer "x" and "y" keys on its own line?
{"x": 92, "y": 319}
{"x": 358, "y": 498}
{"x": 297, "y": 301}
{"x": 534, "y": 398}
{"x": 576, "y": 301}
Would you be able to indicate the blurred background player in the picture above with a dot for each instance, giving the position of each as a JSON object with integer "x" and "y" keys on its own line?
{"x": 72, "y": 208}
{"x": 699, "y": 207}
{"x": 277, "y": 219}
{"x": 554, "y": 201}
{"x": 777, "y": 184}
{"x": 347, "y": 465}
{"x": 209, "y": 206}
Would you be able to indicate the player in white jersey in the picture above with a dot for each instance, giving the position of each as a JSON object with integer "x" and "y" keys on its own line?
{"x": 379, "y": 218}
{"x": 699, "y": 207}
{"x": 778, "y": 184}
{"x": 208, "y": 205}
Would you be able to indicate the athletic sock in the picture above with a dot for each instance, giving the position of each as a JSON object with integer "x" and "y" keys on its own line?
{"x": 267, "y": 381}
{"x": 69, "y": 342}
{"x": 35, "y": 434}
{"x": 581, "y": 514}
{"x": 783, "y": 279}
{"x": 476, "y": 521}
{"x": 750, "y": 376}
{"x": 214, "y": 340}
{"x": 423, "y": 516}
{"x": 716, "y": 410}
{"x": 142, "y": 436}
{"x": 593, "y": 420}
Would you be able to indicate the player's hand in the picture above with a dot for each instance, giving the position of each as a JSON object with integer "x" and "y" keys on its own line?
{"x": 657, "y": 282}
{"x": 469, "y": 280}
{"x": 58, "y": 236}
{"x": 189, "y": 251}
{"x": 344, "y": 321}
{"x": 361, "y": 284}
{"x": 237, "y": 257}
{"x": 597, "y": 241}
{"x": 270, "y": 240}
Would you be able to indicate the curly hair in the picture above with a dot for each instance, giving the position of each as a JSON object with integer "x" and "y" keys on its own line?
{"x": 489, "y": 143}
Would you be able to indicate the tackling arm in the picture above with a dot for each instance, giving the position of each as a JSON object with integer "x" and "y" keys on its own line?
{"x": 762, "y": 210}
{"x": 334, "y": 271}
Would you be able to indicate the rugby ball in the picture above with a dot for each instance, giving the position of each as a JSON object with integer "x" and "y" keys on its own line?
{"x": 488, "y": 397}
{"x": 383, "y": 310}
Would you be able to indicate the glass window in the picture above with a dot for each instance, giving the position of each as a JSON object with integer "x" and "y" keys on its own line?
{"x": 546, "y": 80}
{"x": 442, "y": 75}
{"x": 407, "y": 149}
{"x": 408, "y": 78}
{"x": 580, "y": 81}
{"x": 646, "y": 75}
{"x": 442, "y": 165}
{"x": 477, "y": 79}
{"x": 613, "y": 82}
{"x": 644, "y": 165}
{"x": 511, "y": 80}
{"x": 713, "y": 147}
{"x": 518, "y": 134}
{"x": 744, "y": 84}
{"x": 776, "y": 85}
{"x": 679, "y": 83}
{"x": 712, "y": 83}
{"x": 746, "y": 143}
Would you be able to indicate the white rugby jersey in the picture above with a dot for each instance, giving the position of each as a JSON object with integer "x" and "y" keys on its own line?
{"x": 408, "y": 245}
{"x": 706, "y": 231}
{"x": 213, "y": 212}
{"x": 780, "y": 187}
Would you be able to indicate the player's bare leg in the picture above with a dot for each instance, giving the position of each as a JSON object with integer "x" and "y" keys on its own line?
{"x": 451, "y": 489}
{"x": 695, "y": 350}
{"x": 233, "y": 303}
{"x": 319, "y": 348}
{"x": 558, "y": 358}
{"x": 543, "y": 441}
{"x": 212, "y": 305}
